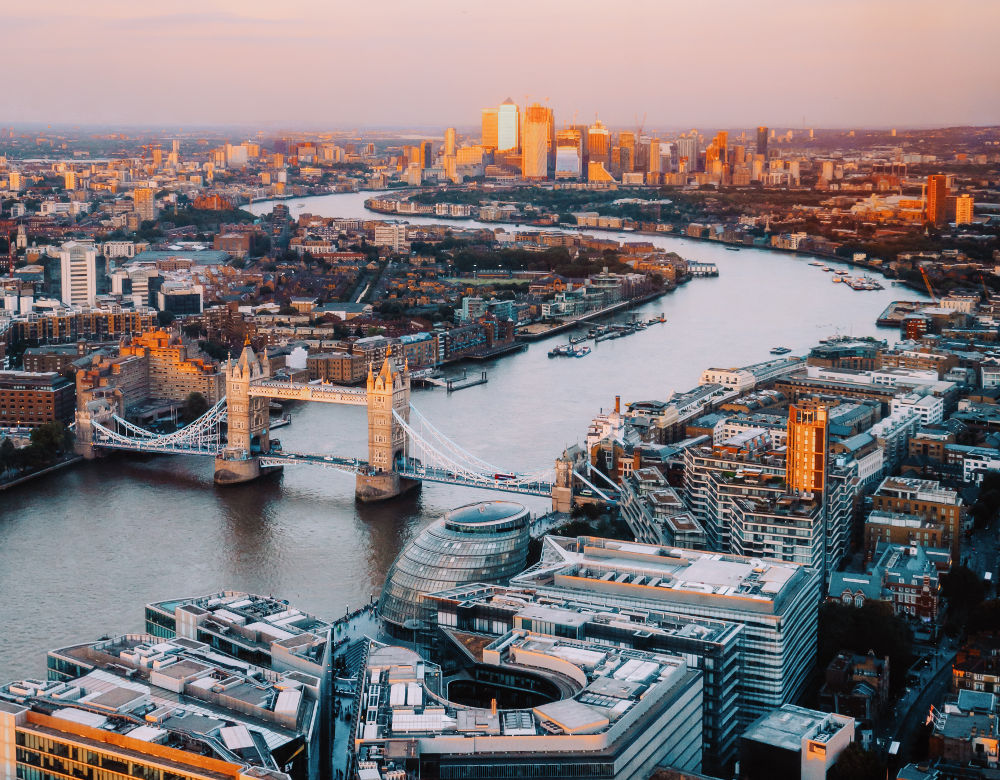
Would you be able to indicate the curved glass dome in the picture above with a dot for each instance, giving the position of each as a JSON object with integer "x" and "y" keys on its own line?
{"x": 484, "y": 542}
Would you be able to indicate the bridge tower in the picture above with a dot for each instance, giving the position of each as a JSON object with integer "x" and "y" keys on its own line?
{"x": 562, "y": 488}
{"x": 388, "y": 391}
{"x": 247, "y": 420}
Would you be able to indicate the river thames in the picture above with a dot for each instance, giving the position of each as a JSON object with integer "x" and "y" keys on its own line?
{"x": 83, "y": 550}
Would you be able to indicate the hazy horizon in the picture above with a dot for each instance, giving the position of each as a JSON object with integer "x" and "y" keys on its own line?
{"x": 396, "y": 66}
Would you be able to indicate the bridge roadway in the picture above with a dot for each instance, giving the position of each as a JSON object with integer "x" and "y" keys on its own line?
{"x": 299, "y": 391}
{"x": 432, "y": 474}
{"x": 281, "y": 458}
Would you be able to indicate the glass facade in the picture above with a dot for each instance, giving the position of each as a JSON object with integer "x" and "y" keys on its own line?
{"x": 486, "y": 542}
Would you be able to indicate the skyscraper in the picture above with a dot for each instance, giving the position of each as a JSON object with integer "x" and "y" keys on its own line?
{"x": 599, "y": 143}
{"x": 449, "y": 141}
{"x": 145, "y": 203}
{"x": 937, "y": 198}
{"x": 535, "y": 144}
{"x": 762, "y": 141}
{"x": 78, "y": 273}
{"x": 426, "y": 154}
{"x": 626, "y": 141}
{"x": 654, "y": 156}
{"x": 805, "y": 469}
{"x": 687, "y": 147}
{"x": 507, "y": 126}
{"x": 490, "y": 128}
{"x": 568, "y": 154}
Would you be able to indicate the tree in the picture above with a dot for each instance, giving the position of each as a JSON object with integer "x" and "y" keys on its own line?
{"x": 195, "y": 405}
{"x": 8, "y": 455}
{"x": 984, "y": 511}
{"x": 965, "y": 592}
{"x": 860, "y": 629}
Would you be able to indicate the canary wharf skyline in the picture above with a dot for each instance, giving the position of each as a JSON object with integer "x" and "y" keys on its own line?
{"x": 393, "y": 64}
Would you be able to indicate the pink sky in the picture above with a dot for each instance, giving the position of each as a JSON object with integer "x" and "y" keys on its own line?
{"x": 824, "y": 63}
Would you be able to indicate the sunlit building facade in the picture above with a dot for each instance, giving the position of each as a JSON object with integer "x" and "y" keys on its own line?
{"x": 508, "y": 126}
{"x": 807, "y": 445}
{"x": 535, "y": 145}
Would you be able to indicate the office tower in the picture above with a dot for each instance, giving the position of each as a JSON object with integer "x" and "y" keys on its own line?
{"x": 175, "y": 146}
{"x": 78, "y": 272}
{"x": 157, "y": 158}
{"x": 426, "y": 154}
{"x": 654, "y": 155}
{"x": 626, "y": 141}
{"x": 687, "y": 148}
{"x": 69, "y": 180}
{"x": 508, "y": 125}
{"x": 774, "y": 601}
{"x": 449, "y": 141}
{"x": 145, "y": 203}
{"x": 805, "y": 470}
{"x": 534, "y": 146}
{"x": 490, "y": 128}
{"x": 14, "y": 181}
{"x": 937, "y": 198}
{"x": 568, "y": 154}
{"x": 599, "y": 143}
{"x": 762, "y": 141}
{"x": 721, "y": 142}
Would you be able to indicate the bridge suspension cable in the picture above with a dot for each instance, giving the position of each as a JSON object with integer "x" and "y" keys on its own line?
{"x": 444, "y": 443}
{"x": 440, "y": 454}
{"x": 203, "y": 436}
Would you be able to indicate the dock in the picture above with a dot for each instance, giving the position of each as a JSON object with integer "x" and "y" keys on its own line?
{"x": 466, "y": 381}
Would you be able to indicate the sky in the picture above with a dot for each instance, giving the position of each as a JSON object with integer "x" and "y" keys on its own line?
{"x": 434, "y": 63}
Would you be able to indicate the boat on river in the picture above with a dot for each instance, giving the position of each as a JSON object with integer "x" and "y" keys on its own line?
{"x": 780, "y": 350}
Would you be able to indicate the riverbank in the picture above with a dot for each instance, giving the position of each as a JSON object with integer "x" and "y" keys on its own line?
{"x": 593, "y": 315}
{"x": 731, "y": 245}
{"x": 72, "y": 461}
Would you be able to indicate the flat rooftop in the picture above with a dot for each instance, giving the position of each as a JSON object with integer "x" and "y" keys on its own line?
{"x": 602, "y": 684}
{"x": 788, "y": 725}
{"x": 661, "y": 573}
{"x": 255, "y": 620}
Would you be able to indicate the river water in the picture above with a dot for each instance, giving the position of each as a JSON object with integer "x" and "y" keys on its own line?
{"x": 82, "y": 551}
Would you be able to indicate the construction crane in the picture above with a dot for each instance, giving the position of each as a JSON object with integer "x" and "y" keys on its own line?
{"x": 927, "y": 281}
{"x": 986, "y": 290}
{"x": 639, "y": 126}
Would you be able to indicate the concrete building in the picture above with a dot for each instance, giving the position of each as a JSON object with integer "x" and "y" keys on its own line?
{"x": 714, "y": 647}
{"x": 78, "y": 273}
{"x": 259, "y": 630}
{"x": 775, "y": 602}
{"x": 928, "y": 408}
{"x": 794, "y": 743}
{"x": 144, "y": 200}
{"x": 655, "y": 512}
{"x": 391, "y": 235}
{"x": 594, "y": 711}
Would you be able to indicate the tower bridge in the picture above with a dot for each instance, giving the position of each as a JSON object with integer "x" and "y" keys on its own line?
{"x": 404, "y": 447}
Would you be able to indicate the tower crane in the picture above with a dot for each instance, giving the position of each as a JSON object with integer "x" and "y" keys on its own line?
{"x": 927, "y": 281}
